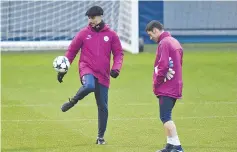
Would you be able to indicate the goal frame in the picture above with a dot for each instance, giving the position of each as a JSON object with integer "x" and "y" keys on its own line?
{"x": 62, "y": 45}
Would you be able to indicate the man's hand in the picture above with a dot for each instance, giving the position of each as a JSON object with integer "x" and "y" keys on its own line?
{"x": 171, "y": 72}
{"x": 169, "y": 75}
{"x": 114, "y": 73}
{"x": 60, "y": 76}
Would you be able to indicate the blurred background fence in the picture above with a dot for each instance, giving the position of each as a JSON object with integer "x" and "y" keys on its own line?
{"x": 192, "y": 21}
{"x": 188, "y": 21}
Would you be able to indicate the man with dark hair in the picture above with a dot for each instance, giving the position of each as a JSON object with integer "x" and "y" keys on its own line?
{"x": 154, "y": 24}
{"x": 96, "y": 42}
{"x": 167, "y": 91}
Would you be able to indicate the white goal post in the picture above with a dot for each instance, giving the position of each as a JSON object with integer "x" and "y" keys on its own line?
{"x": 51, "y": 25}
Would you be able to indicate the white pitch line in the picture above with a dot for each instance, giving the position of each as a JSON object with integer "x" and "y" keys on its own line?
{"x": 117, "y": 119}
{"x": 131, "y": 104}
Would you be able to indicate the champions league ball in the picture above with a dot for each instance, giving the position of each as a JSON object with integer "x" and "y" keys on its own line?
{"x": 61, "y": 64}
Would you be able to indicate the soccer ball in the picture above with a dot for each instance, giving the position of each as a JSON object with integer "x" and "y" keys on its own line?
{"x": 61, "y": 64}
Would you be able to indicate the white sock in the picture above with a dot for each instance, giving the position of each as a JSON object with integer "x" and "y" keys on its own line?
{"x": 173, "y": 140}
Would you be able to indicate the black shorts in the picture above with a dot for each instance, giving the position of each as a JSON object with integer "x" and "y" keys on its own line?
{"x": 166, "y": 105}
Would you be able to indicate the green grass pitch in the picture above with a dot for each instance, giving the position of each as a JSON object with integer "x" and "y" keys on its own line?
{"x": 206, "y": 117}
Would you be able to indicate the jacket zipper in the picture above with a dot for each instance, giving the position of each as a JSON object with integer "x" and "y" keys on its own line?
{"x": 97, "y": 49}
{"x": 97, "y": 37}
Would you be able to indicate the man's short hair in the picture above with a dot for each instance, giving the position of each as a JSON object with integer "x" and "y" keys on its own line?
{"x": 154, "y": 24}
{"x": 94, "y": 11}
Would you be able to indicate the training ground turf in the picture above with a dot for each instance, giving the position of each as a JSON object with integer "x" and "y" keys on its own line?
{"x": 206, "y": 117}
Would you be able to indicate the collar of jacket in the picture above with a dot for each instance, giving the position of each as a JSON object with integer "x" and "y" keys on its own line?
{"x": 99, "y": 26}
{"x": 163, "y": 35}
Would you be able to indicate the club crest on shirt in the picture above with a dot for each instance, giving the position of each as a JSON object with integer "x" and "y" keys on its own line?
{"x": 106, "y": 38}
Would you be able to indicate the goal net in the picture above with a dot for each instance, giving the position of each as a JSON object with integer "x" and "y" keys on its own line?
{"x": 51, "y": 25}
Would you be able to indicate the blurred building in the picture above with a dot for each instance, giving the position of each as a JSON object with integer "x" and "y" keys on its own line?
{"x": 192, "y": 21}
